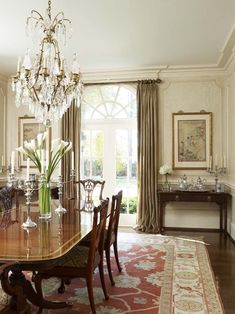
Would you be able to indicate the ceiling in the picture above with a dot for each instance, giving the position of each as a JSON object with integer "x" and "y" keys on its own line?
{"x": 126, "y": 34}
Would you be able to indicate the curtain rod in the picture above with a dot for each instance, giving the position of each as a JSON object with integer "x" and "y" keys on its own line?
{"x": 158, "y": 81}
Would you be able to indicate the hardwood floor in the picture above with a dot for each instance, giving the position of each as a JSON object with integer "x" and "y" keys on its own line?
{"x": 222, "y": 256}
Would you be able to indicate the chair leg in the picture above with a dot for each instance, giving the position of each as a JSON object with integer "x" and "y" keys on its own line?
{"x": 64, "y": 282}
{"x": 61, "y": 288}
{"x": 101, "y": 271}
{"x": 107, "y": 254}
{"x": 38, "y": 287}
{"x": 116, "y": 255}
{"x": 90, "y": 293}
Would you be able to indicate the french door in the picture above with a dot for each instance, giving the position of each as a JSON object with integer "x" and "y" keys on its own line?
{"x": 109, "y": 152}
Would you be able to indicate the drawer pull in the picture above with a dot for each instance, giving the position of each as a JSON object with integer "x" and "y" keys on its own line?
{"x": 209, "y": 198}
{"x": 177, "y": 197}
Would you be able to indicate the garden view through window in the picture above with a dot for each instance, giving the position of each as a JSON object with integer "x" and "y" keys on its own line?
{"x": 109, "y": 140}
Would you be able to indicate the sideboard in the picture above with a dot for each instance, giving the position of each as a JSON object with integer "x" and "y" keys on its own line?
{"x": 221, "y": 199}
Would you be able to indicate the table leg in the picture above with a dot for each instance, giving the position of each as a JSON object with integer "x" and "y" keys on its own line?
{"x": 161, "y": 215}
{"x": 20, "y": 289}
{"x": 221, "y": 217}
{"x": 225, "y": 218}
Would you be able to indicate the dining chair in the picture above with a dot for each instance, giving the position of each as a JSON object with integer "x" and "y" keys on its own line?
{"x": 88, "y": 186}
{"x": 110, "y": 234}
{"x": 81, "y": 261}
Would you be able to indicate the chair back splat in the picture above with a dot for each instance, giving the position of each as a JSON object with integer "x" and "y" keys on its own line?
{"x": 88, "y": 187}
{"x": 114, "y": 218}
{"x": 97, "y": 233}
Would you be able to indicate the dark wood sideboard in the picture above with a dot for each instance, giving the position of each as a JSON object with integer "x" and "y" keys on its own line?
{"x": 221, "y": 199}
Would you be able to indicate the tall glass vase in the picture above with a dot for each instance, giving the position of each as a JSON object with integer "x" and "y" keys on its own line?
{"x": 166, "y": 185}
{"x": 45, "y": 200}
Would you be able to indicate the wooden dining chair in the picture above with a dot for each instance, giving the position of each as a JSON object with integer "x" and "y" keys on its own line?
{"x": 88, "y": 186}
{"x": 81, "y": 261}
{"x": 110, "y": 234}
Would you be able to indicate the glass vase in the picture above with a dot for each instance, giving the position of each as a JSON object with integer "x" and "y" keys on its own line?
{"x": 45, "y": 200}
{"x": 166, "y": 185}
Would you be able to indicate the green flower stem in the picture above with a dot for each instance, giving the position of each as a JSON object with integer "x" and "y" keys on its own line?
{"x": 45, "y": 198}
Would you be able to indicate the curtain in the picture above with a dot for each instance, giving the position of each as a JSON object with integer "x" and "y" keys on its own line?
{"x": 147, "y": 128}
{"x": 71, "y": 130}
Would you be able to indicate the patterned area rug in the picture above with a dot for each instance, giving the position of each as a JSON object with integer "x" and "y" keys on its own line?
{"x": 160, "y": 275}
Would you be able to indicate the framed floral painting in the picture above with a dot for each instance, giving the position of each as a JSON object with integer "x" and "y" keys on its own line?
{"x": 192, "y": 140}
{"x": 28, "y": 128}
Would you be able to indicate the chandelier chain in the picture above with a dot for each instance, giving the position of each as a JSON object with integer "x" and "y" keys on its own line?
{"x": 49, "y": 8}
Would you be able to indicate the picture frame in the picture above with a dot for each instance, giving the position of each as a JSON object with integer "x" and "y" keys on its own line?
{"x": 28, "y": 129}
{"x": 192, "y": 140}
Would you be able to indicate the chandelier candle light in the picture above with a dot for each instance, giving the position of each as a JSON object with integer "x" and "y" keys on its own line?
{"x": 46, "y": 85}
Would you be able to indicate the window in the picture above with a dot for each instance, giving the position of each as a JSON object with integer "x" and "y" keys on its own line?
{"x": 109, "y": 140}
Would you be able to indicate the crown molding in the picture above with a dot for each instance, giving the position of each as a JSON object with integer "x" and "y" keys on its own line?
{"x": 227, "y": 49}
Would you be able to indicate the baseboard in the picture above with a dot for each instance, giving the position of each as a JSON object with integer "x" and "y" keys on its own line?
{"x": 232, "y": 232}
{"x": 232, "y": 240}
{"x": 192, "y": 229}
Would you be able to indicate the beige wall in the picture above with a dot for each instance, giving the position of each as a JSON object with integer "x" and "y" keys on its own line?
{"x": 3, "y": 104}
{"x": 190, "y": 94}
{"x": 229, "y": 129}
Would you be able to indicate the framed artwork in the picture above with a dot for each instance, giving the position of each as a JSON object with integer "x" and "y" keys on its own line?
{"x": 28, "y": 129}
{"x": 192, "y": 140}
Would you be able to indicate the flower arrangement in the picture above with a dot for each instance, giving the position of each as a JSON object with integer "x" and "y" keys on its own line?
{"x": 36, "y": 152}
{"x": 165, "y": 169}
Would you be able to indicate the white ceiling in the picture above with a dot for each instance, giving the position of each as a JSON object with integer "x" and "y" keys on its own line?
{"x": 126, "y": 34}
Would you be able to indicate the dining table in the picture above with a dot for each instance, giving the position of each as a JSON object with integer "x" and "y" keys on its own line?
{"x": 41, "y": 247}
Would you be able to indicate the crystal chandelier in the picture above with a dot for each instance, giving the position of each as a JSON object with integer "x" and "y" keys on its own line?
{"x": 46, "y": 85}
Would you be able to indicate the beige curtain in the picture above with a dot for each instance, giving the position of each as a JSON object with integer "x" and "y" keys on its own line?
{"x": 71, "y": 130}
{"x": 147, "y": 125}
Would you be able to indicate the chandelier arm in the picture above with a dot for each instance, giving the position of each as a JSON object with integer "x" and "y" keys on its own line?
{"x": 34, "y": 11}
{"x": 38, "y": 71}
{"x": 57, "y": 50}
{"x": 55, "y": 18}
{"x": 65, "y": 20}
{"x": 57, "y": 86}
{"x": 34, "y": 93}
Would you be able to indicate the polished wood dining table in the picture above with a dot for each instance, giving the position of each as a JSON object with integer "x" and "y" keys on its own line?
{"x": 37, "y": 248}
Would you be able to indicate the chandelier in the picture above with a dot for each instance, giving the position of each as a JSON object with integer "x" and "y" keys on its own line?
{"x": 46, "y": 85}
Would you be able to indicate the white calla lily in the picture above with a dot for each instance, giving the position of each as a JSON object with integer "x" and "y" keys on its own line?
{"x": 29, "y": 145}
{"x": 40, "y": 138}
{"x": 69, "y": 147}
{"x": 21, "y": 150}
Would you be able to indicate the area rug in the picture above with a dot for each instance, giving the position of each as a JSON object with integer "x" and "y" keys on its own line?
{"x": 161, "y": 274}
